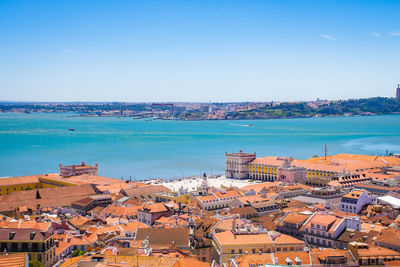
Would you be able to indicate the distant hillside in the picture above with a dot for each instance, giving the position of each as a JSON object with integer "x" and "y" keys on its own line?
{"x": 366, "y": 106}
{"x": 217, "y": 111}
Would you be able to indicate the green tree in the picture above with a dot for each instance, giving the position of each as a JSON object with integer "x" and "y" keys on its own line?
{"x": 35, "y": 263}
{"x": 78, "y": 252}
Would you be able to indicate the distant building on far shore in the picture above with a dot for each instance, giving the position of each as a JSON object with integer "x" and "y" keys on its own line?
{"x": 398, "y": 91}
{"x": 74, "y": 170}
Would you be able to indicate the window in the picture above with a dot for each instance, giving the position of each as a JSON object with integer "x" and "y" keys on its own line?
{"x": 232, "y": 251}
{"x": 9, "y": 246}
{"x": 29, "y": 246}
{"x": 285, "y": 249}
{"x": 240, "y": 251}
{"x": 253, "y": 250}
{"x": 39, "y": 257}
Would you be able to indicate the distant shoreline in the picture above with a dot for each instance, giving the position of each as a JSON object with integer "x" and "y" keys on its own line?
{"x": 218, "y": 111}
{"x": 180, "y": 119}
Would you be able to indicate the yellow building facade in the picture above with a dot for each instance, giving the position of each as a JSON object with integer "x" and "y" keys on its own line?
{"x": 14, "y": 184}
{"x": 270, "y": 173}
{"x": 262, "y": 172}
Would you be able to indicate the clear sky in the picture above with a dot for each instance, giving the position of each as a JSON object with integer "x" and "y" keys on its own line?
{"x": 198, "y": 50}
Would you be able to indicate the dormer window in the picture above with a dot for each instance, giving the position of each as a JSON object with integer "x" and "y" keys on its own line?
{"x": 12, "y": 234}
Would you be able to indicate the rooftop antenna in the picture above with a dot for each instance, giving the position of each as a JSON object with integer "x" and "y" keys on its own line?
{"x": 325, "y": 151}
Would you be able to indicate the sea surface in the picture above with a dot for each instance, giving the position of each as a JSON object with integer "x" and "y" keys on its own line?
{"x": 139, "y": 149}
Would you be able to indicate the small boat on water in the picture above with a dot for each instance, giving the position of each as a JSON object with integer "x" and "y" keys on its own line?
{"x": 250, "y": 125}
{"x": 71, "y": 129}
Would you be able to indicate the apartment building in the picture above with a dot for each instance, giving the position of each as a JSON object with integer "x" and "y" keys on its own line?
{"x": 355, "y": 201}
{"x": 148, "y": 214}
{"x": 228, "y": 245}
{"x": 39, "y": 245}
{"x": 323, "y": 229}
{"x": 217, "y": 200}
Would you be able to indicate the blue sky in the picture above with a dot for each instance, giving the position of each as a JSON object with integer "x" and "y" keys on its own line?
{"x": 198, "y": 50}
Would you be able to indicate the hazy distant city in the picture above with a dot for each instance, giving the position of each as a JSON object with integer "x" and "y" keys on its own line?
{"x": 217, "y": 111}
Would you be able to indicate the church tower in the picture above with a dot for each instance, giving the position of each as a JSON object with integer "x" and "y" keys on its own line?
{"x": 398, "y": 91}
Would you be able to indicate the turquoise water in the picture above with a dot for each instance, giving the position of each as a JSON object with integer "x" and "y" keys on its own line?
{"x": 123, "y": 147}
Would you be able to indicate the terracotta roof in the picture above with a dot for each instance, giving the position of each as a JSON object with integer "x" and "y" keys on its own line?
{"x": 42, "y": 226}
{"x": 16, "y": 234}
{"x": 113, "y": 188}
{"x": 324, "y": 220}
{"x": 243, "y": 211}
{"x": 263, "y": 204}
{"x": 319, "y": 256}
{"x": 295, "y": 218}
{"x": 269, "y": 161}
{"x": 246, "y": 200}
{"x": 355, "y": 194}
{"x": 145, "y": 192}
{"x": 389, "y": 237}
{"x": 258, "y": 187}
{"x": 190, "y": 262}
{"x": 205, "y": 198}
{"x": 121, "y": 211}
{"x": 350, "y": 236}
{"x": 46, "y": 197}
{"x": 154, "y": 208}
{"x": 228, "y": 238}
{"x": 374, "y": 251}
{"x": 287, "y": 239}
{"x": 32, "y": 179}
{"x": 227, "y": 194}
{"x": 132, "y": 226}
{"x": 13, "y": 260}
{"x": 78, "y": 220}
{"x": 164, "y": 237}
{"x": 88, "y": 179}
{"x": 395, "y": 263}
{"x": 269, "y": 258}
